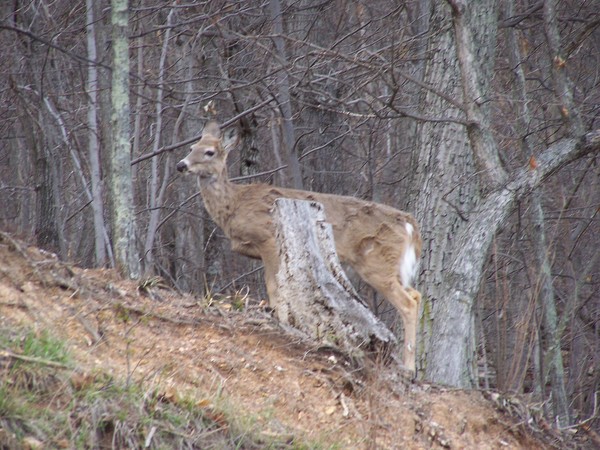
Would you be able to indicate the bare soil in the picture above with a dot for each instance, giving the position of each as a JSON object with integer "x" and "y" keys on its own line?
{"x": 189, "y": 347}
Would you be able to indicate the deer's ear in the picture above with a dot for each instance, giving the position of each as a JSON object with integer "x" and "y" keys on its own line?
{"x": 230, "y": 139}
{"x": 213, "y": 129}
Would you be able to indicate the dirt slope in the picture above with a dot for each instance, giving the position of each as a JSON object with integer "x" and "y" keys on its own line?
{"x": 180, "y": 345}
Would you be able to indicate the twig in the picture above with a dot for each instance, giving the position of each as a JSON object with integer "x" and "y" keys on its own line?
{"x": 46, "y": 362}
{"x": 14, "y": 305}
{"x": 67, "y": 52}
{"x": 149, "y": 437}
{"x": 86, "y": 325}
{"x": 593, "y": 416}
{"x": 152, "y": 315}
{"x": 231, "y": 283}
{"x": 13, "y": 242}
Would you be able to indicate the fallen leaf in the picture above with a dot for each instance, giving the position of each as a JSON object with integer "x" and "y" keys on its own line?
{"x": 204, "y": 403}
{"x": 532, "y": 163}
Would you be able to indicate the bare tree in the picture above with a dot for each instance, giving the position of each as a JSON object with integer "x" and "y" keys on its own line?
{"x": 284, "y": 122}
{"x": 479, "y": 203}
{"x": 101, "y": 243}
{"x": 156, "y": 195}
{"x": 123, "y": 222}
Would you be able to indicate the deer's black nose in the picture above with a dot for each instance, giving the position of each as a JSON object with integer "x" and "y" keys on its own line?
{"x": 181, "y": 166}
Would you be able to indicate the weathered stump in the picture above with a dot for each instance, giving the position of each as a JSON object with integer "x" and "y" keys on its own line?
{"x": 313, "y": 293}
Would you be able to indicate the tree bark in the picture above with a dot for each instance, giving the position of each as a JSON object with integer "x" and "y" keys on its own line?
{"x": 313, "y": 293}
{"x": 123, "y": 221}
{"x": 100, "y": 235}
{"x": 462, "y": 277}
{"x": 475, "y": 28}
{"x": 46, "y": 220}
{"x": 563, "y": 88}
{"x": 288, "y": 140}
{"x": 156, "y": 195}
{"x": 446, "y": 191}
{"x": 473, "y": 36}
{"x": 538, "y": 238}
{"x": 460, "y": 208}
{"x": 189, "y": 238}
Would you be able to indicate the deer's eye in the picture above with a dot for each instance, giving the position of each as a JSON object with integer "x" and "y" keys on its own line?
{"x": 209, "y": 152}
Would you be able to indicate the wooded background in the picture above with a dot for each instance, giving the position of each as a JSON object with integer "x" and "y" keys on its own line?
{"x": 478, "y": 117}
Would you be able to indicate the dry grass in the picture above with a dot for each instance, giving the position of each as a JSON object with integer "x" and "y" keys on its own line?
{"x": 46, "y": 403}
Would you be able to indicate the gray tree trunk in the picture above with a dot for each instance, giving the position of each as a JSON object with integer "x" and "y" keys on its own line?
{"x": 563, "y": 90}
{"x": 188, "y": 230}
{"x": 100, "y": 234}
{"x": 157, "y": 195}
{"x": 538, "y": 238}
{"x": 46, "y": 220}
{"x": 121, "y": 186}
{"x": 288, "y": 140}
{"x": 446, "y": 191}
{"x": 465, "y": 194}
{"x": 313, "y": 293}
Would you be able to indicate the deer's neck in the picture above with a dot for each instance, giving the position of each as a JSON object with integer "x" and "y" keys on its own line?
{"x": 219, "y": 195}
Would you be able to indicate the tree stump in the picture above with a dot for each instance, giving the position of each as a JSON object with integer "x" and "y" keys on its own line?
{"x": 313, "y": 293}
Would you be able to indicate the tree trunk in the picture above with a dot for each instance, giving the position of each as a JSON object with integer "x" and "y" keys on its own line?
{"x": 100, "y": 235}
{"x": 123, "y": 221}
{"x": 453, "y": 333}
{"x": 46, "y": 220}
{"x": 537, "y": 234}
{"x": 155, "y": 196}
{"x": 459, "y": 163}
{"x": 288, "y": 140}
{"x": 313, "y": 293}
{"x": 446, "y": 192}
{"x": 189, "y": 238}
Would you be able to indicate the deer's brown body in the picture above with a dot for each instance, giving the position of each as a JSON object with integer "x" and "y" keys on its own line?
{"x": 380, "y": 243}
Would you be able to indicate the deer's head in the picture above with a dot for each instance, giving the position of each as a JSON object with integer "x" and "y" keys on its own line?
{"x": 208, "y": 156}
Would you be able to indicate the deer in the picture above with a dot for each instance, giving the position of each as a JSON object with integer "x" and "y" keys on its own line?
{"x": 380, "y": 243}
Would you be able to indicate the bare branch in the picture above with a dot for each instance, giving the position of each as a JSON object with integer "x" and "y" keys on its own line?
{"x": 168, "y": 148}
{"x": 70, "y": 54}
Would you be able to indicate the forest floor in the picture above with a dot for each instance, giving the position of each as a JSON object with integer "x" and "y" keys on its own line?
{"x": 229, "y": 364}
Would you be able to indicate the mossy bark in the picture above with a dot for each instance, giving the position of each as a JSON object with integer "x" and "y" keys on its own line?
{"x": 121, "y": 185}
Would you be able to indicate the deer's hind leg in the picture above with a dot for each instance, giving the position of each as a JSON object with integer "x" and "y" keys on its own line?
{"x": 383, "y": 266}
{"x": 406, "y": 301}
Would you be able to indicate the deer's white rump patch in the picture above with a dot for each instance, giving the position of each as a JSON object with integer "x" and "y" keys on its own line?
{"x": 407, "y": 266}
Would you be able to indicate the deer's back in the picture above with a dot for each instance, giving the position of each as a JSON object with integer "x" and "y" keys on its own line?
{"x": 356, "y": 223}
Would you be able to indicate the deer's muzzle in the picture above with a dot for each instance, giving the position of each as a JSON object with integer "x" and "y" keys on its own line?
{"x": 182, "y": 166}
